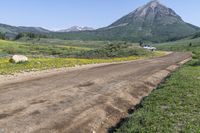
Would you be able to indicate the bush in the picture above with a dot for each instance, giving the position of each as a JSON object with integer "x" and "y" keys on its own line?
{"x": 15, "y": 50}
{"x": 114, "y": 50}
{"x": 196, "y": 59}
{"x": 195, "y": 62}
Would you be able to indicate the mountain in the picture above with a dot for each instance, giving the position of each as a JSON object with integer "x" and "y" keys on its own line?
{"x": 12, "y": 31}
{"x": 151, "y": 22}
{"x": 76, "y": 28}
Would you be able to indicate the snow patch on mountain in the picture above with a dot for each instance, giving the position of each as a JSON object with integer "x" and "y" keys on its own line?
{"x": 77, "y": 28}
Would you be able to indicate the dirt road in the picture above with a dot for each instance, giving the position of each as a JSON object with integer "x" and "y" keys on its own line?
{"x": 84, "y": 100}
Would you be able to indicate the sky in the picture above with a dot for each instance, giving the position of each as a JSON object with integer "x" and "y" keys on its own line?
{"x": 62, "y": 14}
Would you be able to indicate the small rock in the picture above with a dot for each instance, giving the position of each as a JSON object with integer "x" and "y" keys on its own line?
{"x": 18, "y": 59}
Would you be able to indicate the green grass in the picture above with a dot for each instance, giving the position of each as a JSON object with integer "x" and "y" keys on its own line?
{"x": 181, "y": 45}
{"x": 39, "y": 49}
{"x": 74, "y": 43}
{"x": 35, "y": 64}
{"x": 54, "y": 53}
{"x": 51, "y": 47}
{"x": 174, "y": 105}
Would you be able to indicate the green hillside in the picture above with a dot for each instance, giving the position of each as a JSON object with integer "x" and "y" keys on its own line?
{"x": 12, "y": 31}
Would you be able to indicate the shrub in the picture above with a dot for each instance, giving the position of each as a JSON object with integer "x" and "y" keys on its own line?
{"x": 115, "y": 50}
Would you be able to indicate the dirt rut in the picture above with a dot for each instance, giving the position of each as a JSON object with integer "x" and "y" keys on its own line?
{"x": 81, "y": 101}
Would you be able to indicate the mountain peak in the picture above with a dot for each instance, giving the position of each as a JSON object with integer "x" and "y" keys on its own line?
{"x": 151, "y": 12}
{"x": 153, "y": 3}
{"x": 154, "y": 8}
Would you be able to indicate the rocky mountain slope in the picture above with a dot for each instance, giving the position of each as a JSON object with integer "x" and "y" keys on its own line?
{"x": 152, "y": 21}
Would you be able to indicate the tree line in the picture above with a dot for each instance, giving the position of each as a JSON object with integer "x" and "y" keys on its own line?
{"x": 2, "y": 36}
{"x": 30, "y": 35}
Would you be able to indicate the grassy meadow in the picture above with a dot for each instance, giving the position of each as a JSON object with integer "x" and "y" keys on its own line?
{"x": 54, "y": 53}
{"x": 174, "y": 105}
{"x": 183, "y": 45}
{"x": 38, "y": 49}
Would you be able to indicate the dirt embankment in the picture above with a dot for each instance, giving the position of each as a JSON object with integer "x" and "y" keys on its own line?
{"x": 89, "y": 99}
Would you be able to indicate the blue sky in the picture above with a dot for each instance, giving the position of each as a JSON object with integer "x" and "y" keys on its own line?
{"x": 61, "y": 14}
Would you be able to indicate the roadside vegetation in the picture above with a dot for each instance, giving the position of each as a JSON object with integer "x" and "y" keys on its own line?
{"x": 47, "y": 54}
{"x": 174, "y": 105}
{"x": 35, "y": 64}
